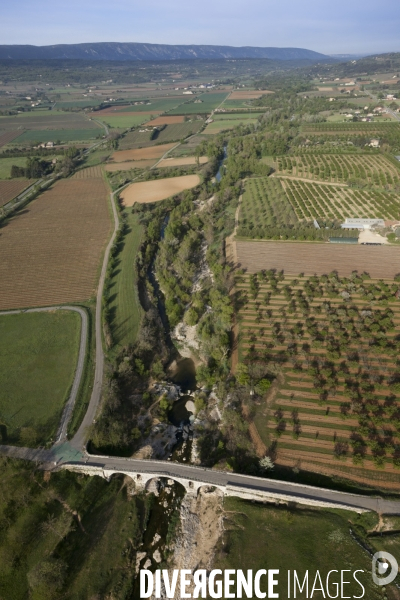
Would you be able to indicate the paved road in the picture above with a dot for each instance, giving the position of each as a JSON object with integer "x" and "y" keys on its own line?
{"x": 296, "y": 492}
{"x": 79, "y": 439}
{"x": 69, "y": 406}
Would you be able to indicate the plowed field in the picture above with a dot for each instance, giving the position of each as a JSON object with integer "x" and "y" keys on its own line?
{"x": 51, "y": 251}
{"x": 130, "y": 164}
{"x": 9, "y": 136}
{"x": 89, "y": 173}
{"x": 309, "y": 258}
{"x": 141, "y": 153}
{"x": 166, "y": 120}
{"x": 180, "y": 162}
{"x": 159, "y": 189}
{"x": 10, "y": 189}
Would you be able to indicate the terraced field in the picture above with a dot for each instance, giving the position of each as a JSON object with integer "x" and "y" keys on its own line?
{"x": 9, "y": 189}
{"x": 336, "y": 406}
{"x": 375, "y": 169}
{"x": 298, "y": 257}
{"x": 52, "y": 250}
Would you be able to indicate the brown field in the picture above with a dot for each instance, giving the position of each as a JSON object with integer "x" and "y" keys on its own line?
{"x": 51, "y": 251}
{"x": 89, "y": 173}
{"x": 126, "y": 166}
{"x": 246, "y": 94}
{"x": 111, "y": 112}
{"x": 166, "y": 120}
{"x": 310, "y": 258}
{"x": 9, "y": 136}
{"x": 185, "y": 160}
{"x": 11, "y": 188}
{"x": 159, "y": 189}
{"x": 141, "y": 153}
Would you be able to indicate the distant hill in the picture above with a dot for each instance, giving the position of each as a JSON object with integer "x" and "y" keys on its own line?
{"x": 135, "y": 51}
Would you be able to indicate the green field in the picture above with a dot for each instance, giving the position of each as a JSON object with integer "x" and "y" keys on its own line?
{"x": 171, "y": 133}
{"x": 96, "y": 157}
{"x": 38, "y": 355}
{"x": 62, "y": 135}
{"x": 79, "y": 103}
{"x": 240, "y": 116}
{"x": 124, "y": 122}
{"x": 259, "y": 536}
{"x": 156, "y": 104}
{"x": 125, "y": 306}
{"x": 209, "y": 101}
{"x": 6, "y": 164}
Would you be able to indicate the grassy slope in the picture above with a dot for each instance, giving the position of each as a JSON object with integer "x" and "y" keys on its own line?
{"x": 266, "y": 537}
{"x": 7, "y": 163}
{"x": 125, "y": 306}
{"x": 38, "y": 355}
{"x": 36, "y": 527}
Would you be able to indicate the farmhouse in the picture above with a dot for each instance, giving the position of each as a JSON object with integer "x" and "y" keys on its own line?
{"x": 362, "y": 223}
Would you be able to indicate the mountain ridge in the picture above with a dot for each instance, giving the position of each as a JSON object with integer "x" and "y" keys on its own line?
{"x": 135, "y": 51}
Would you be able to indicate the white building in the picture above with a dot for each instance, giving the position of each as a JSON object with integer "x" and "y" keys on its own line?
{"x": 362, "y": 223}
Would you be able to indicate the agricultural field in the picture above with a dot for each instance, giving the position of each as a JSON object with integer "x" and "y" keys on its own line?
{"x": 9, "y": 189}
{"x": 47, "y": 121}
{"x": 170, "y": 133}
{"x": 256, "y": 535}
{"x": 9, "y": 136}
{"x": 156, "y": 105}
{"x": 208, "y": 102}
{"x": 39, "y": 352}
{"x": 375, "y": 169}
{"x": 332, "y": 343}
{"x": 124, "y": 307}
{"x": 89, "y": 173}
{"x": 180, "y": 162}
{"x": 246, "y": 94}
{"x": 52, "y": 249}
{"x": 128, "y": 165}
{"x": 188, "y": 146}
{"x": 59, "y": 135}
{"x": 141, "y": 153}
{"x": 158, "y": 189}
{"x": 7, "y": 163}
{"x": 372, "y": 128}
{"x": 299, "y": 257}
{"x": 313, "y": 201}
{"x": 166, "y": 120}
{"x": 124, "y": 121}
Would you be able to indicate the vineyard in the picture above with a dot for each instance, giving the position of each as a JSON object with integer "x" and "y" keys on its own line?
{"x": 51, "y": 251}
{"x": 170, "y": 133}
{"x": 299, "y": 257}
{"x": 375, "y": 169}
{"x": 313, "y": 200}
{"x": 334, "y": 342}
{"x": 9, "y": 189}
{"x": 8, "y": 136}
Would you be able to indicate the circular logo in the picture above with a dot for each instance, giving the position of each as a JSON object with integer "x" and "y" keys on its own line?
{"x": 380, "y": 567}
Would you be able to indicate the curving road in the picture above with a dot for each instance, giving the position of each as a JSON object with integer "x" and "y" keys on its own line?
{"x": 69, "y": 406}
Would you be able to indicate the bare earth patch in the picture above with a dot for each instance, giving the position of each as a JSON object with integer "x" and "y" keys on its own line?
{"x": 141, "y": 153}
{"x": 247, "y": 94}
{"x": 160, "y": 189}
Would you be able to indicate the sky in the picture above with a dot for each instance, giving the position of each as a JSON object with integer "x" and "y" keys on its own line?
{"x": 330, "y": 27}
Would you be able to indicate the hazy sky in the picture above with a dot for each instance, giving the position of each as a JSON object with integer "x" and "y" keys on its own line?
{"x": 334, "y": 26}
